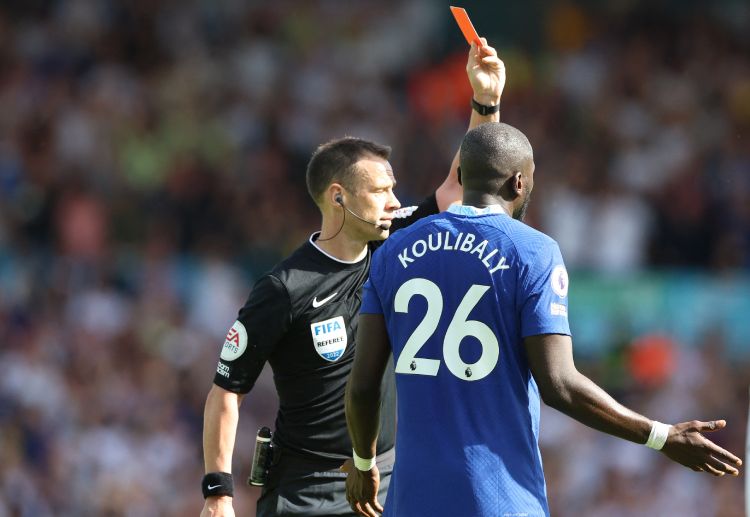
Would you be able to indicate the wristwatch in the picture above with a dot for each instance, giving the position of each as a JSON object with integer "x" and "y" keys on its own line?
{"x": 484, "y": 110}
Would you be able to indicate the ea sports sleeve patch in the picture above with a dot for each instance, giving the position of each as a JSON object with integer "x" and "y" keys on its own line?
{"x": 251, "y": 339}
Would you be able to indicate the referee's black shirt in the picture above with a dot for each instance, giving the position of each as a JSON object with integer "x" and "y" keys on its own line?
{"x": 302, "y": 318}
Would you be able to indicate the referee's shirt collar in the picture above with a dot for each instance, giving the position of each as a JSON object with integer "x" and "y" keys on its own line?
{"x": 315, "y": 236}
{"x": 472, "y": 210}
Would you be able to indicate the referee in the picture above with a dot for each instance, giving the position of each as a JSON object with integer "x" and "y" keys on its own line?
{"x": 301, "y": 318}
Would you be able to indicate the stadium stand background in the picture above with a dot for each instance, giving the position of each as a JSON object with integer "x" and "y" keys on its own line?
{"x": 152, "y": 162}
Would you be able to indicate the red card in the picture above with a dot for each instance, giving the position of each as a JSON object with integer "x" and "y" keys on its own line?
{"x": 463, "y": 21}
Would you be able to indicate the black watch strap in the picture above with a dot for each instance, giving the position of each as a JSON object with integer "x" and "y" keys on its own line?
{"x": 484, "y": 110}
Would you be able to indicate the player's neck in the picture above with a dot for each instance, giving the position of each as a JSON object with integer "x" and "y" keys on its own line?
{"x": 482, "y": 200}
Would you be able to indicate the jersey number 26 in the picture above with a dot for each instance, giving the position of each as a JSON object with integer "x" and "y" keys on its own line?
{"x": 459, "y": 328}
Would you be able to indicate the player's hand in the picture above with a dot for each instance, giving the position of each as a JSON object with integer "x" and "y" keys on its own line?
{"x": 687, "y": 445}
{"x": 362, "y": 489}
{"x": 486, "y": 74}
{"x": 218, "y": 506}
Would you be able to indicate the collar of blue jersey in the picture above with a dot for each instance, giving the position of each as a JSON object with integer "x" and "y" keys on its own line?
{"x": 472, "y": 210}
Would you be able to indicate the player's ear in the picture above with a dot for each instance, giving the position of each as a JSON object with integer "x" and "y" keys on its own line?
{"x": 515, "y": 185}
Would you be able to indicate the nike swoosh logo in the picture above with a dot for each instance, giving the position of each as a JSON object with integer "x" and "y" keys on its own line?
{"x": 211, "y": 487}
{"x": 317, "y": 303}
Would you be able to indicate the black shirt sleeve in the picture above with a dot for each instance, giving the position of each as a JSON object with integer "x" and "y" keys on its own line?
{"x": 265, "y": 317}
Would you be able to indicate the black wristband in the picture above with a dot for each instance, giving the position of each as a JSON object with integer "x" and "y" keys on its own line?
{"x": 217, "y": 483}
{"x": 484, "y": 110}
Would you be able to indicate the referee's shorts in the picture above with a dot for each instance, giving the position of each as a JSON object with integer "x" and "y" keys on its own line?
{"x": 300, "y": 486}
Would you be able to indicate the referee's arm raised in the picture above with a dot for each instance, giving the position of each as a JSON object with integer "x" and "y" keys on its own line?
{"x": 564, "y": 388}
{"x": 486, "y": 74}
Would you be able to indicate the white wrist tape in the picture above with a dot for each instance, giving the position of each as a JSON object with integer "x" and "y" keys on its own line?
{"x": 361, "y": 463}
{"x": 658, "y": 436}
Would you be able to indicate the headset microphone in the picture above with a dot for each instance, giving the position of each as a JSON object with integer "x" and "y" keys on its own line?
{"x": 340, "y": 201}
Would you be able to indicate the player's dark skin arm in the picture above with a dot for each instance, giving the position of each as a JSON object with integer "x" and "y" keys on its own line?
{"x": 363, "y": 409}
{"x": 363, "y": 388}
{"x": 564, "y": 388}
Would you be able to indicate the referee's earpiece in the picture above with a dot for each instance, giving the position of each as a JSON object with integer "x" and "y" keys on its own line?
{"x": 338, "y": 198}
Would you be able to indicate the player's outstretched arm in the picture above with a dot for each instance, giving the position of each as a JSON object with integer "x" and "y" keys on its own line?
{"x": 562, "y": 387}
{"x": 363, "y": 412}
{"x": 220, "y": 418}
{"x": 487, "y": 77}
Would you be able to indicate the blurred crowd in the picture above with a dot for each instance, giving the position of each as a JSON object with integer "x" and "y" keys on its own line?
{"x": 152, "y": 162}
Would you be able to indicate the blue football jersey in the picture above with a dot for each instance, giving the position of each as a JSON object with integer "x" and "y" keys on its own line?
{"x": 459, "y": 291}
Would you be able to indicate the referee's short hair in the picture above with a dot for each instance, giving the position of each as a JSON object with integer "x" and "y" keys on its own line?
{"x": 490, "y": 154}
{"x": 335, "y": 161}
